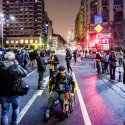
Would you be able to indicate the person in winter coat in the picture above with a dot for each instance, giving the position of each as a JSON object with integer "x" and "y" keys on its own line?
{"x": 112, "y": 63}
{"x": 26, "y": 59}
{"x": 68, "y": 58}
{"x": 98, "y": 63}
{"x": 53, "y": 61}
{"x": 57, "y": 87}
{"x": 20, "y": 58}
{"x": 120, "y": 58}
{"x": 75, "y": 56}
{"x": 106, "y": 59}
{"x": 41, "y": 64}
{"x": 8, "y": 76}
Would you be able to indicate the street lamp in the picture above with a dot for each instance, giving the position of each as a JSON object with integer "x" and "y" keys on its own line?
{"x": 2, "y": 19}
{"x": 71, "y": 35}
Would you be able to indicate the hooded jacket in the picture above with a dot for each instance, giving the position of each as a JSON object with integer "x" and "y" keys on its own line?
{"x": 9, "y": 72}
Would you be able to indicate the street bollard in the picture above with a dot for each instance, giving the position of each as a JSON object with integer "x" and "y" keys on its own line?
{"x": 94, "y": 63}
{"x": 120, "y": 75}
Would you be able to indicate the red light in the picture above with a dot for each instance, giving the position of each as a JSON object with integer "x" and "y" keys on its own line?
{"x": 96, "y": 41}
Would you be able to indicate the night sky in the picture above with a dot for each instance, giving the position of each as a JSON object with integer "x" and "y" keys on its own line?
{"x": 63, "y": 14}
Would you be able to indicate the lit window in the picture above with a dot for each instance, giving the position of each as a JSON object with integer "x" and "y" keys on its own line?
{"x": 21, "y": 41}
{"x": 7, "y": 2}
{"x": 31, "y": 41}
{"x": 21, "y": 9}
{"x": 7, "y": 25}
{"x": 36, "y": 1}
{"x": 7, "y": 21}
{"x": 16, "y": 41}
{"x": 12, "y": 41}
{"x": 7, "y": 41}
{"x": 36, "y": 41}
{"x": 22, "y": 28}
{"x": 26, "y": 41}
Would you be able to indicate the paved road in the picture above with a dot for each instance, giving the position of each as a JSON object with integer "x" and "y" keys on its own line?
{"x": 98, "y": 102}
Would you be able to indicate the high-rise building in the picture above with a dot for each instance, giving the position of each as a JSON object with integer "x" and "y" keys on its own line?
{"x": 79, "y": 23}
{"x": 29, "y": 25}
{"x": 113, "y": 17}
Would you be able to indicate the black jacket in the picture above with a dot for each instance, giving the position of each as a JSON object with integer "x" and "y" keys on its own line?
{"x": 9, "y": 73}
{"x": 112, "y": 60}
{"x": 68, "y": 56}
{"x": 57, "y": 80}
{"x": 41, "y": 64}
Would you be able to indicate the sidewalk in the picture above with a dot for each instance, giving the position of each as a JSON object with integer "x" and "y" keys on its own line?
{"x": 116, "y": 85}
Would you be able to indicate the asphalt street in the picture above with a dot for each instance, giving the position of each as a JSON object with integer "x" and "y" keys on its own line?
{"x": 97, "y": 101}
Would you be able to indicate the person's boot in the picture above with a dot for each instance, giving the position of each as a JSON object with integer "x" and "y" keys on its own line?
{"x": 40, "y": 87}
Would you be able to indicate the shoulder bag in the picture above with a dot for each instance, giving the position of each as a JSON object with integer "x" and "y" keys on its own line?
{"x": 20, "y": 88}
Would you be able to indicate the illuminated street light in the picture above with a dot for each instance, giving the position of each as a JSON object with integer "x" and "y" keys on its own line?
{"x": 70, "y": 35}
{"x": 2, "y": 19}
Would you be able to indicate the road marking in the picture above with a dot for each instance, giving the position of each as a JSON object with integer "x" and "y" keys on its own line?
{"x": 27, "y": 106}
{"x": 85, "y": 66}
{"x": 30, "y": 73}
{"x": 82, "y": 104}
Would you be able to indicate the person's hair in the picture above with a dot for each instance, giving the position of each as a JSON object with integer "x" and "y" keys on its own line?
{"x": 61, "y": 68}
{"x": 112, "y": 53}
{"x": 53, "y": 51}
{"x": 9, "y": 55}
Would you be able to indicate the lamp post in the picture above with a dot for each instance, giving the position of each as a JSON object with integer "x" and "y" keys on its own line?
{"x": 1, "y": 21}
{"x": 2, "y": 33}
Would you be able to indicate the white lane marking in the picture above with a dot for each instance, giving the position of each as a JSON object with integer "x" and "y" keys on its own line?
{"x": 27, "y": 106}
{"x": 80, "y": 66}
{"x": 82, "y": 104}
{"x": 30, "y": 73}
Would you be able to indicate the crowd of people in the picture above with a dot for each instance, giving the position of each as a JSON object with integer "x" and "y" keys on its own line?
{"x": 25, "y": 60}
{"x": 107, "y": 61}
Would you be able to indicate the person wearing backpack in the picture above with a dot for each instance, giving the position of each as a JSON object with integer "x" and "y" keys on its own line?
{"x": 10, "y": 71}
{"x": 41, "y": 64}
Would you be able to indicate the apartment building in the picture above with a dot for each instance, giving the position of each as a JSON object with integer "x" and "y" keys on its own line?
{"x": 29, "y": 25}
{"x": 113, "y": 23}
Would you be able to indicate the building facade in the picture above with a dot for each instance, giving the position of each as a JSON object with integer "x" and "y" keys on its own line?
{"x": 79, "y": 23}
{"x": 113, "y": 22}
{"x": 28, "y": 28}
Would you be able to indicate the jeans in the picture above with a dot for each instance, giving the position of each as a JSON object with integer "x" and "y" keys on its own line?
{"x": 5, "y": 105}
{"x": 99, "y": 67}
{"x": 68, "y": 66}
{"x": 112, "y": 72}
{"x": 40, "y": 80}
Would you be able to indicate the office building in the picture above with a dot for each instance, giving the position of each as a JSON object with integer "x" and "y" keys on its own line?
{"x": 29, "y": 25}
